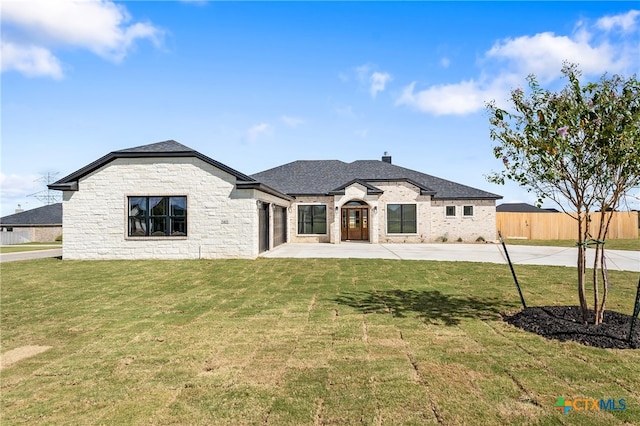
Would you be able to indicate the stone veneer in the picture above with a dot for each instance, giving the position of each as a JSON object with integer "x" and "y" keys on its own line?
{"x": 432, "y": 223}
{"x": 222, "y": 221}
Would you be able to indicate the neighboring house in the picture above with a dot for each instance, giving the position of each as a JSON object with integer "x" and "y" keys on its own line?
{"x": 522, "y": 208}
{"x": 42, "y": 224}
{"x": 166, "y": 200}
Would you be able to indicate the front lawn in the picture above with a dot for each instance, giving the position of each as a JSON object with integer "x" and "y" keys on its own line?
{"x": 299, "y": 342}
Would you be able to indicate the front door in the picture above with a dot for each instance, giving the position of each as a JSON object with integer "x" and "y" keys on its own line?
{"x": 355, "y": 224}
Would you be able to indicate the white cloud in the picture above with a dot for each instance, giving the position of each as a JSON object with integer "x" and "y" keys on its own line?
{"x": 460, "y": 98}
{"x": 544, "y": 53}
{"x": 14, "y": 185}
{"x": 626, "y": 21}
{"x": 257, "y": 131}
{"x": 378, "y": 82}
{"x": 291, "y": 121}
{"x": 445, "y": 62}
{"x": 32, "y": 61}
{"x": 374, "y": 81}
{"x": 506, "y": 64}
{"x": 100, "y": 26}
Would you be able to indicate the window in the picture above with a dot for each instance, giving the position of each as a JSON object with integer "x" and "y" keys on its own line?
{"x": 450, "y": 211}
{"x": 157, "y": 216}
{"x": 467, "y": 211}
{"x": 312, "y": 219}
{"x": 401, "y": 219}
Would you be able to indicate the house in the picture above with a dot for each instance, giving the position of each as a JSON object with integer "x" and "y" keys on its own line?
{"x": 166, "y": 200}
{"x": 42, "y": 224}
{"x": 522, "y": 208}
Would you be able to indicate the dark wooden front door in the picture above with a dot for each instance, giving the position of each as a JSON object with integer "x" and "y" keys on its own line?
{"x": 355, "y": 224}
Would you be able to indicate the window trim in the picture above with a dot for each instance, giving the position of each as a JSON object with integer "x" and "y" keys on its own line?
{"x": 455, "y": 213}
{"x": 401, "y": 219}
{"x": 326, "y": 219}
{"x": 148, "y": 217}
{"x": 472, "y": 211}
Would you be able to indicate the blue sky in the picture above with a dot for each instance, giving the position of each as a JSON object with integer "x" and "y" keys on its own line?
{"x": 259, "y": 84}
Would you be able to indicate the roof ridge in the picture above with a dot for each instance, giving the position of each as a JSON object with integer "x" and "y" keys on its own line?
{"x": 169, "y": 145}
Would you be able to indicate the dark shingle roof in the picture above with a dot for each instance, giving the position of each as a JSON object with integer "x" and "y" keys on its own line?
{"x": 320, "y": 177}
{"x": 45, "y": 215}
{"x": 159, "y": 147}
{"x": 521, "y": 208}
{"x": 168, "y": 148}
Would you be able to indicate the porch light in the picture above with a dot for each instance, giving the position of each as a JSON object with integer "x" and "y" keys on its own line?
{"x": 375, "y": 209}
{"x": 337, "y": 208}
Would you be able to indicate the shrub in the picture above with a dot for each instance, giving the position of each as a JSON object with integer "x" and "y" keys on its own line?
{"x": 59, "y": 238}
{"x": 480, "y": 239}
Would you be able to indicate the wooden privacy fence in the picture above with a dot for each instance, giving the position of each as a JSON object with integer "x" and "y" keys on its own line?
{"x": 560, "y": 226}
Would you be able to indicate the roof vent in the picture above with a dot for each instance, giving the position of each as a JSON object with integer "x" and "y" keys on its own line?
{"x": 386, "y": 157}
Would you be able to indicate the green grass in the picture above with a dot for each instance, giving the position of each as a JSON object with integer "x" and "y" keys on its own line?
{"x": 621, "y": 244}
{"x": 298, "y": 342}
{"x": 29, "y": 247}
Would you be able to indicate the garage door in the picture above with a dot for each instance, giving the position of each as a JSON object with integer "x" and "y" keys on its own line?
{"x": 279, "y": 225}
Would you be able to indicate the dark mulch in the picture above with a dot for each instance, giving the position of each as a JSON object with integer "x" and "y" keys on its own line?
{"x": 564, "y": 323}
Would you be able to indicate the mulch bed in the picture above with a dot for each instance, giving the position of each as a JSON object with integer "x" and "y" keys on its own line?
{"x": 564, "y": 323}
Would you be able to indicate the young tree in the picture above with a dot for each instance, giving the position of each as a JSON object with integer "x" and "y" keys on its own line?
{"x": 579, "y": 146}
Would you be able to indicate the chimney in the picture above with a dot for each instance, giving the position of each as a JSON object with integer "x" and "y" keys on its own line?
{"x": 19, "y": 209}
{"x": 386, "y": 157}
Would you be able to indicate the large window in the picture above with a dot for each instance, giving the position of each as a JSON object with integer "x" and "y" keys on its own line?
{"x": 401, "y": 219}
{"x": 467, "y": 211}
{"x": 312, "y": 219}
{"x": 157, "y": 216}
{"x": 450, "y": 211}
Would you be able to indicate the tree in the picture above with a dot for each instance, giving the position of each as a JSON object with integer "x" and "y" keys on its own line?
{"x": 579, "y": 146}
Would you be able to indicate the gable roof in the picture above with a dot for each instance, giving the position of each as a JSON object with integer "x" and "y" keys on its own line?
{"x": 326, "y": 177}
{"x": 45, "y": 215}
{"x": 169, "y": 148}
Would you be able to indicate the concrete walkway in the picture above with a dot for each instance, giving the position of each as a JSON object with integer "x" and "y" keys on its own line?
{"x": 620, "y": 260}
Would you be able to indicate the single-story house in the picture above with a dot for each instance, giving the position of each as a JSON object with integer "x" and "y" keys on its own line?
{"x": 39, "y": 225}
{"x": 522, "y": 208}
{"x": 166, "y": 200}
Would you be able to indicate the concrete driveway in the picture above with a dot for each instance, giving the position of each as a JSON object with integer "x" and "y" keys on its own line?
{"x": 620, "y": 260}
{"x": 27, "y": 255}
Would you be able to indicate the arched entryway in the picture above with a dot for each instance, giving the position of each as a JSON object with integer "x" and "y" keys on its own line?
{"x": 355, "y": 221}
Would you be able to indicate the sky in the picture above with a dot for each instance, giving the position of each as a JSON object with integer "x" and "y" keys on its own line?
{"x": 255, "y": 85}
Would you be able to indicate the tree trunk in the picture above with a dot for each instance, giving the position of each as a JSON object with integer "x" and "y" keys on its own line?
{"x": 603, "y": 265}
{"x": 582, "y": 262}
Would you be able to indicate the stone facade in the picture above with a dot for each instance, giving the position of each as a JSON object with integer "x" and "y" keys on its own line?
{"x": 432, "y": 223}
{"x": 482, "y": 223}
{"x": 222, "y": 220}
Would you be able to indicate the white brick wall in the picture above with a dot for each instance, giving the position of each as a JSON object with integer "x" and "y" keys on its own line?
{"x": 222, "y": 221}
